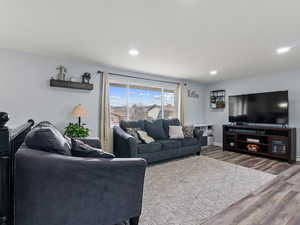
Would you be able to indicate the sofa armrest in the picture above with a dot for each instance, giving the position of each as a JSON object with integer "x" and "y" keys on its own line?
{"x": 198, "y": 133}
{"x": 54, "y": 189}
{"x": 125, "y": 146}
{"x": 94, "y": 142}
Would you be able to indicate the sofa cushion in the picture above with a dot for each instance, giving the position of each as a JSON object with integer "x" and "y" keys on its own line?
{"x": 189, "y": 142}
{"x": 171, "y": 122}
{"x": 155, "y": 129}
{"x": 80, "y": 149}
{"x": 132, "y": 124}
{"x": 149, "y": 148}
{"x": 170, "y": 144}
{"x": 48, "y": 139}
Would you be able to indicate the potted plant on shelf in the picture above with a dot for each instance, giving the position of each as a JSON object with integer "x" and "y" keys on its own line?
{"x": 220, "y": 104}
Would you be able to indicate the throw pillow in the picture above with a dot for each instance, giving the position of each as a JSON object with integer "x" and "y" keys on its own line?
{"x": 155, "y": 129}
{"x": 175, "y": 132}
{"x": 80, "y": 149}
{"x": 48, "y": 139}
{"x": 170, "y": 122}
{"x": 133, "y": 133}
{"x": 145, "y": 137}
{"x": 188, "y": 131}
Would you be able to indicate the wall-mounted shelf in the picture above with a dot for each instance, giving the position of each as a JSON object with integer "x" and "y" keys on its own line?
{"x": 71, "y": 84}
{"x": 217, "y": 99}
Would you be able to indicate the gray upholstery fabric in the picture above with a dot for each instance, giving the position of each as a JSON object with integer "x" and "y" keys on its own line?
{"x": 189, "y": 142}
{"x": 198, "y": 133}
{"x": 132, "y": 124}
{"x": 171, "y": 122}
{"x": 48, "y": 139}
{"x": 170, "y": 144}
{"x": 45, "y": 124}
{"x": 53, "y": 189}
{"x": 94, "y": 142}
{"x": 80, "y": 149}
{"x": 149, "y": 148}
{"x": 155, "y": 129}
{"x": 125, "y": 145}
{"x": 170, "y": 154}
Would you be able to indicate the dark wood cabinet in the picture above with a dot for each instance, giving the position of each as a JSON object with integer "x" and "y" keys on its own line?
{"x": 275, "y": 142}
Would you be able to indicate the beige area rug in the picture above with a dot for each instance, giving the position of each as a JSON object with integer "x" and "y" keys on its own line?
{"x": 191, "y": 190}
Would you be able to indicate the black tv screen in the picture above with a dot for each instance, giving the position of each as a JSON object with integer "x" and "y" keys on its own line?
{"x": 269, "y": 108}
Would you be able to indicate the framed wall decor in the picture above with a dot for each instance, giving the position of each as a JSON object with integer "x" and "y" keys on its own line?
{"x": 217, "y": 99}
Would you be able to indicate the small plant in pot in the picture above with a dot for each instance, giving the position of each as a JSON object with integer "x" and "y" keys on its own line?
{"x": 77, "y": 131}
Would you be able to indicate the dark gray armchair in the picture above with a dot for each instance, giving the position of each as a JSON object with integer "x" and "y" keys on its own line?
{"x": 53, "y": 189}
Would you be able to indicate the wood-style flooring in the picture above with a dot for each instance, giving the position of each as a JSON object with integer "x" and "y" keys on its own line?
{"x": 276, "y": 203}
{"x": 263, "y": 164}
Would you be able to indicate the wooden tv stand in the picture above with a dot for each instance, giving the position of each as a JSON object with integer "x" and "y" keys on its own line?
{"x": 274, "y": 142}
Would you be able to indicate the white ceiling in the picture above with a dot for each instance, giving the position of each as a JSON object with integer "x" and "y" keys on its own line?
{"x": 177, "y": 38}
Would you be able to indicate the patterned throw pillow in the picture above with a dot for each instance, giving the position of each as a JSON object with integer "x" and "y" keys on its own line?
{"x": 188, "y": 131}
{"x": 133, "y": 133}
{"x": 145, "y": 137}
{"x": 175, "y": 132}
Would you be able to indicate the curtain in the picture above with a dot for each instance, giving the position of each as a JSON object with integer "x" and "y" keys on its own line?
{"x": 105, "y": 129}
{"x": 181, "y": 101}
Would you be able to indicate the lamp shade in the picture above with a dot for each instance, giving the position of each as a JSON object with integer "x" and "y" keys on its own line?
{"x": 79, "y": 111}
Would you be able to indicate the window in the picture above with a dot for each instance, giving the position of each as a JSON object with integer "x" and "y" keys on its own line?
{"x": 133, "y": 102}
{"x": 118, "y": 103}
{"x": 170, "y": 104}
{"x": 144, "y": 103}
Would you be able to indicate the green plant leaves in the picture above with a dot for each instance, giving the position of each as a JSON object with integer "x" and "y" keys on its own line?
{"x": 74, "y": 130}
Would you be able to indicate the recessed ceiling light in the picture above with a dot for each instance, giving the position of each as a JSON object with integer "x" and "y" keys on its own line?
{"x": 133, "y": 52}
{"x": 283, "y": 50}
{"x": 213, "y": 72}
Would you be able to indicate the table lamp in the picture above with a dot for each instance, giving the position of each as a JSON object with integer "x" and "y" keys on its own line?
{"x": 79, "y": 111}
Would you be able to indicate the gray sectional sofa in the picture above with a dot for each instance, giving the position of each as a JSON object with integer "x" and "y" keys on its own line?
{"x": 163, "y": 148}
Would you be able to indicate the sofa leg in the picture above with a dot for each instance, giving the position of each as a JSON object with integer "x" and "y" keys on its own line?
{"x": 198, "y": 153}
{"x": 134, "y": 220}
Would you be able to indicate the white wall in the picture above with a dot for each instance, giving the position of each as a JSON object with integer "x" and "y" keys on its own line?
{"x": 194, "y": 107}
{"x": 25, "y": 91}
{"x": 263, "y": 83}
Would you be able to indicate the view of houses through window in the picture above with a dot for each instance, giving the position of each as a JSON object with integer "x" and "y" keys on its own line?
{"x": 132, "y": 102}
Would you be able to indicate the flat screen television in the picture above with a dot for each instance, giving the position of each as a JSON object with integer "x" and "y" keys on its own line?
{"x": 268, "y": 108}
